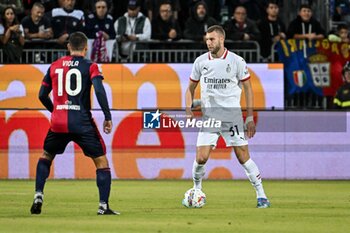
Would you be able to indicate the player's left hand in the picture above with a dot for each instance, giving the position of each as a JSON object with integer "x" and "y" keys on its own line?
{"x": 250, "y": 129}
{"x": 107, "y": 127}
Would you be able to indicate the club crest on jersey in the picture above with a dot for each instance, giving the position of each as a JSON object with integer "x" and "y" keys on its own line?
{"x": 228, "y": 68}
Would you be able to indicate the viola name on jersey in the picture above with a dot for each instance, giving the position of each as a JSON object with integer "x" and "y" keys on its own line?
{"x": 70, "y": 63}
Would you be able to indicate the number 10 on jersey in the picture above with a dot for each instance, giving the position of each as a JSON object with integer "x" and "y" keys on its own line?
{"x": 68, "y": 78}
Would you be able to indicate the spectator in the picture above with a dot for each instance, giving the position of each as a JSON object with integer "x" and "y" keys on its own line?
{"x": 342, "y": 96}
{"x": 122, "y": 7}
{"x": 100, "y": 21}
{"x": 254, "y": 8}
{"x": 36, "y": 25}
{"x": 341, "y": 35}
{"x": 197, "y": 24}
{"x": 66, "y": 20}
{"x": 272, "y": 29}
{"x": 11, "y": 35}
{"x": 132, "y": 26}
{"x": 165, "y": 26}
{"x": 240, "y": 27}
{"x": 15, "y": 4}
{"x": 88, "y": 6}
{"x": 305, "y": 26}
{"x": 152, "y": 7}
{"x": 342, "y": 10}
{"x": 99, "y": 28}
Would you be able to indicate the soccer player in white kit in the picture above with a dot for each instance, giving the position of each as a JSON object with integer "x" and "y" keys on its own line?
{"x": 222, "y": 74}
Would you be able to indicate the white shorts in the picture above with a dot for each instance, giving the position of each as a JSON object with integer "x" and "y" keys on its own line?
{"x": 233, "y": 136}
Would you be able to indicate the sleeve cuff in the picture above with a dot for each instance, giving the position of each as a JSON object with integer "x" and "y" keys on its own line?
{"x": 196, "y": 81}
{"x": 245, "y": 79}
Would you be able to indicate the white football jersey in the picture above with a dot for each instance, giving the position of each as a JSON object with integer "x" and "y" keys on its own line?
{"x": 220, "y": 79}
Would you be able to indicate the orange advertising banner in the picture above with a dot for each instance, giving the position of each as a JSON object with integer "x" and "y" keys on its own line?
{"x": 132, "y": 152}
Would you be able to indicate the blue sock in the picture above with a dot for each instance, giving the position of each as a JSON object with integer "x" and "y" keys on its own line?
{"x": 103, "y": 180}
{"x": 42, "y": 172}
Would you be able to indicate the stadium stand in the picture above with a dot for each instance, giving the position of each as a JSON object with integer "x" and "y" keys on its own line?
{"x": 185, "y": 50}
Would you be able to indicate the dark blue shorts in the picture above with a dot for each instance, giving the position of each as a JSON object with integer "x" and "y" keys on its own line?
{"x": 90, "y": 142}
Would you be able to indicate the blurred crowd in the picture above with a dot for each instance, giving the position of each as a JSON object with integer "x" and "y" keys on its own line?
{"x": 167, "y": 20}
{"x": 47, "y": 24}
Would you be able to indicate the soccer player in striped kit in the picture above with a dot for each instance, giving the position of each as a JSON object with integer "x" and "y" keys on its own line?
{"x": 70, "y": 79}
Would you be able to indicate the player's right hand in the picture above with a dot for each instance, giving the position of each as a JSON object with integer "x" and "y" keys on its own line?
{"x": 107, "y": 127}
{"x": 189, "y": 113}
{"x": 250, "y": 129}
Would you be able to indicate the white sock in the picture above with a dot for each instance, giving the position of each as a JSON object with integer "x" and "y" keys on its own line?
{"x": 198, "y": 171}
{"x": 38, "y": 197}
{"x": 254, "y": 177}
{"x": 103, "y": 205}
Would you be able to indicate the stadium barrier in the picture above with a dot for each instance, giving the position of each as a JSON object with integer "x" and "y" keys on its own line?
{"x": 185, "y": 51}
{"x": 153, "y": 51}
{"x": 42, "y": 56}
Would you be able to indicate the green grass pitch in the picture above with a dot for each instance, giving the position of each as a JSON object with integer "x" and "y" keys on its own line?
{"x": 155, "y": 206}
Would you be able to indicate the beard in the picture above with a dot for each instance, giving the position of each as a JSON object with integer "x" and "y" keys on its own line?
{"x": 215, "y": 49}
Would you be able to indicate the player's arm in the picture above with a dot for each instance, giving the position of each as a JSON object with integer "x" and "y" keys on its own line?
{"x": 189, "y": 97}
{"x": 249, "y": 98}
{"x": 44, "y": 92}
{"x": 102, "y": 100}
{"x": 44, "y": 97}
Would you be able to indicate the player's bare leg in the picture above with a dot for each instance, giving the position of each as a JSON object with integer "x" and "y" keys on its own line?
{"x": 198, "y": 169}
{"x": 103, "y": 180}
{"x": 253, "y": 174}
{"x": 42, "y": 173}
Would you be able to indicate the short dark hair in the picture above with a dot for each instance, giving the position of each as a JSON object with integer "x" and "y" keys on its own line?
{"x": 38, "y": 4}
{"x": 218, "y": 29}
{"x": 102, "y": 1}
{"x": 273, "y": 2}
{"x": 305, "y": 6}
{"x": 342, "y": 26}
{"x": 77, "y": 41}
{"x": 165, "y": 2}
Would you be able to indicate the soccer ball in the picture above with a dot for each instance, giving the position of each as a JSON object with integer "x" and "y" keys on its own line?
{"x": 194, "y": 198}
